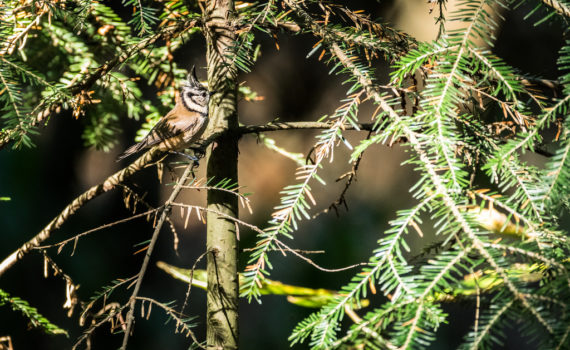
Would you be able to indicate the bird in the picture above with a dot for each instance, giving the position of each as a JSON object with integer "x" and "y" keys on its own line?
{"x": 183, "y": 125}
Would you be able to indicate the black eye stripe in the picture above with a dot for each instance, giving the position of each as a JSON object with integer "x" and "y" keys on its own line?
{"x": 192, "y": 91}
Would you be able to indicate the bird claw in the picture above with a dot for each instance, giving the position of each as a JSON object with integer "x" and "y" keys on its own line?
{"x": 199, "y": 151}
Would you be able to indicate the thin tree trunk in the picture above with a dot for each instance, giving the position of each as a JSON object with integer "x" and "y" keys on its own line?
{"x": 222, "y": 313}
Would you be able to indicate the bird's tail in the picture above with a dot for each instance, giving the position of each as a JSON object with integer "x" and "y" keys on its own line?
{"x": 132, "y": 150}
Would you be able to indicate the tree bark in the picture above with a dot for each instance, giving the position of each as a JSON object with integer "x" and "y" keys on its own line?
{"x": 221, "y": 157}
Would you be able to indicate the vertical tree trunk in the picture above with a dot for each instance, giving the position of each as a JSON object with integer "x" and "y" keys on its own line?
{"x": 222, "y": 313}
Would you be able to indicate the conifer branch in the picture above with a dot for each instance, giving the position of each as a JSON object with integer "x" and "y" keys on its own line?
{"x": 441, "y": 190}
{"x": 294, "y": 202}
{"x": 560, "y": 7}
{"x": 81, "y": 87}
{"x": 484, "y": 332}
{"x": 399, "y": 44}
{"x": 458, "y": 110}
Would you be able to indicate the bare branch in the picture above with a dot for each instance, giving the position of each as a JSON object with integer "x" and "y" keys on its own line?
{"x": 114, "y": 311}
{"x": 351, "y": 175}
{"x": 311, "y": 262}
{"x": 102, "y": 227}
{"x": 278, "y": 126}
{"x": 110, "y": 183}
{"x": 176, "y": 316}
{"x": 191, "y": 279}
{"x": 165, "y": 212}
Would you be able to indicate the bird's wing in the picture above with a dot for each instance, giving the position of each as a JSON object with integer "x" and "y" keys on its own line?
{"x": 172, "y": 125}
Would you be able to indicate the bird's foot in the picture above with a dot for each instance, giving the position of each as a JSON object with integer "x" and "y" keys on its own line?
{"x": 199, "y": 151}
